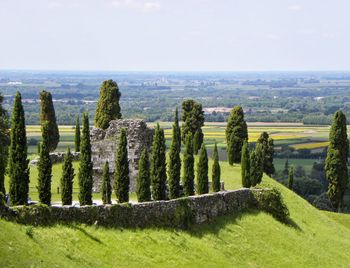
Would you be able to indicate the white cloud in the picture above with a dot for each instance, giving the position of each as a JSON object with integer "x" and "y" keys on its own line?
{"x": 272, "y": 36}
{"x": 137, "y": 5}
{"x": 295, "y": 7}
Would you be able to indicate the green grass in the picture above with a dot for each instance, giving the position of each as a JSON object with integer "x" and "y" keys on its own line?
{"x": 251, "y": 239}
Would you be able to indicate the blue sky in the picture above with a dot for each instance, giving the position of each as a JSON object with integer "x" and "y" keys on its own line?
{"x": 175, "y": 35}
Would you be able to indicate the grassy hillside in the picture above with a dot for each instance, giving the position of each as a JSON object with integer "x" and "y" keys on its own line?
{"x": 251, "y": 239}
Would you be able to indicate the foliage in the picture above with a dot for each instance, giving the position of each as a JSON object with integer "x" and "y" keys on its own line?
{"x": 188, "y": 167}
{"x": 174, "y": 167}
{"x": 290, "y": 178}
{"x": 106, "y": 185}
{"x": 4, "y": 143}
{"x": 77, "y": 135}
{"x": 108, "y": 107}
{"x": 67, "y": 179}
{"x": 47, "y": 114}
{"x": 202, "y": 172}
{"x": 143, "y": 184}
{"x": 18, "y": 163}
{"x": 268, "y": 152}
{"x": 245, "y": 166}
{"x": 196, "y": 142}
{"x": 256, "y": 165}
{"x": 158, "y": 165}
{"x": 85, "y": 169}
{"x": 216, "y": 171}
{"x": 236, "y": 134}
{"x": 336, "y": 161}
{"x": 121, "y": 173}
{"x": 45, "y": 167}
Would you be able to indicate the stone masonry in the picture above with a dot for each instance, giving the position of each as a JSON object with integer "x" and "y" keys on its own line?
{"x": 104, "y": 144}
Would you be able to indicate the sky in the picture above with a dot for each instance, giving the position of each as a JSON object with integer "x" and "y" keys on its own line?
{"x": 175, "y": 35}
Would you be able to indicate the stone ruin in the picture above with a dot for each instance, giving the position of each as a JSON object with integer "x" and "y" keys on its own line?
{"x": 104, "y": 144}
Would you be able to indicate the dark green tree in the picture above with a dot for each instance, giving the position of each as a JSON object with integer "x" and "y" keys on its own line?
{"x": 202, "y": 171}
{"x": 216, "y": 171}
{"x": 268, "y": 152}
{"x": 77, "y": 135}
{"x": 245, "y": 165}
{"x": 4, "y": 144}
{"x": 236, "y": 134}
{"x": 290, "y": 178}
{"x": 121, "y": 173}
{"x": 67, "y": 179}
{"x": 18, "y": 162}
{"x": 143, "y": 186}
{"x": 193, "y": 120}
{"x": 197, "y": 141}
{"x": 174, "y": 168}
{"x": 286, "y": 169}
{"x": 158, "y": 165}
{"x": 256, "y": 165}
{"x": 336, "y": 161}
{"x": 108, "y": 107}
{"x": 188, "y": 164}
{"x": 44, "y": 167}
{"x": 106, "y": 185}
{"x": 85, "y": 169}
{"x": 47, "y": 114}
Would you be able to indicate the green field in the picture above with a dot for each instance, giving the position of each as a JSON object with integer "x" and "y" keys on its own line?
{"x": 250, "y": 239}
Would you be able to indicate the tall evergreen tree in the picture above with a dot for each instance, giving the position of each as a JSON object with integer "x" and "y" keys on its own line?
{"x": 18, "y": 162}
{"x": 236, "y": 134}
{"x": 245, "y": 165}
{"x": 256, "y": 165}
{"x": 67, "y": 179}
{"x": 202, "y": 171}
{"x": 286, "y": 169}
{"x": 158, "y": 165}
{"x": 47, "y": 114}
{"x": 216, "y": 171}
{"x": 290, "y": 178}
{"x": 106, "y": 185}
{"x": 121, "y": 173}
{"x": 77, "y": 135}
{"x": 44, "y": 167}
{"x": 85, "y": 169}
{"x": 193, "y": 120}
{"x": 174, "y": 168}
{"x": 197, "y": 142}
{"x": 336, "y": 161}
{"x": 4, "y": 143}
{"x": 108, "y": 107}
{"x": 268, "y": 152}
{"x": 143, "y": 186}
{"x": 188, "y": 164}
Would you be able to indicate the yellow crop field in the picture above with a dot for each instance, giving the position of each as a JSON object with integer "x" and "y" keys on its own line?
{"x": 311, "y": 145}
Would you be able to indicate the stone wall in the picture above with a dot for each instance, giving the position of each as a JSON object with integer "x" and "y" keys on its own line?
{"x": 180, "y": 212}
{"x": 104, "y": 144}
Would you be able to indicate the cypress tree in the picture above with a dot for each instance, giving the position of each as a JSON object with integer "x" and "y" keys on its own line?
{"x": 256, "y": 165}
{"x": 85, "y": 169}
{"x": 196, "y": 142}
{"x": 106, "y": 185}
{"x": 336, "y": 161}
{"x": 158, "y": 165}
{"x": 286, "y": 169}
{"x": 44, "y": 167}
{"x": 121, "y": 174}
{"x": 4, "y": 143}
{"x": 188, "y": 164}
{"x": 67, "y": 179}
{"x": 174, "y": 169}
{"x": 108, "y": 107}
{"x": 268, "y": 152}
{"x": 290, "y": 178}
{"x": 18, "y": 162}
{"x": 77, "y": 135}
{"x": 143, "y": 187}
{"x": 216, "y": 172}
{"x": 47, "y": 114}
{"x": 193, "y": 120}
{"x": 202, "y": 171}
{"x": 245, "y": 166}
{"x": 236, "y": 134}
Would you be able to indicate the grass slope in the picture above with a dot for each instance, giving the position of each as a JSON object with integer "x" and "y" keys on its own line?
{"x": 251, "y": 239}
